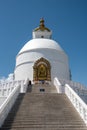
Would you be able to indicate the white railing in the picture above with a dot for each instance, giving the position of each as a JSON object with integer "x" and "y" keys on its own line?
{"x": 8, "y": 103}
{"x": 6, "y": 88}
{"x": 57, "y": 85}
{"x": 78, "y": 103}
{"x": 60, "y": 88}
{"x": 24, "y": 85}
{"x": 72, "y": 84}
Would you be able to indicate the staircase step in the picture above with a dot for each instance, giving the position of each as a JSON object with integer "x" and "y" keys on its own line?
{"x": 43, "y": 111}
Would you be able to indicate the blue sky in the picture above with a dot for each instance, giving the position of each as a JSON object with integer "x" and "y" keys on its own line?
{"x": 66, "y": 18}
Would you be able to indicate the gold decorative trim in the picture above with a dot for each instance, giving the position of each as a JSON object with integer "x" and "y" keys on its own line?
{"x": 42, "y": 70}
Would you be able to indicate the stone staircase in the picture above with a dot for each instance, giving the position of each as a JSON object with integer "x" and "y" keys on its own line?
{"x": 43, "y": 111}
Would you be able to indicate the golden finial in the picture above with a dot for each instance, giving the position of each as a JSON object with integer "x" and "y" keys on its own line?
{"x": 41, "y": 21}
{"x": 42, "y": 26}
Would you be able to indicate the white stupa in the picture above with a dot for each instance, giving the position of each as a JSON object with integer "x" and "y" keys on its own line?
{"x": 41, "y": 58}
{"x": 42, "y": 61}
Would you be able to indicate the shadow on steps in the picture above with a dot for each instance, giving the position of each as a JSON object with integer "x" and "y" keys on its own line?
{"x": 12, "y": 114}
{"x": 29, "y": 89}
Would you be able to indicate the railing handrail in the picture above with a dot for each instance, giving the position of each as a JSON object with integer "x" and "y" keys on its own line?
{"x": 6, "y": 88}
{"x": 75, "y": 99}
{"x": 76, "y": 95}
{"x": 7, "y": 99}
{"x": 77, "y": 102}
{"x": 8, "y": 103}
{"x": 72, "y": 83}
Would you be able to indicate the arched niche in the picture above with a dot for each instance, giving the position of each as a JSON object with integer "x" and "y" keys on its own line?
{"x": 42, "y": 70}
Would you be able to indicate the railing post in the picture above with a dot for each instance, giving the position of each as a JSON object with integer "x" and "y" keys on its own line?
{"x": 22, "y": 86}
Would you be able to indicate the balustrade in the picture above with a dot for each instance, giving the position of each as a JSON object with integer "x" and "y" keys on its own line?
{"x": 78, "y": 103}
{"x": 6, "y": 88}
{"x": 73, "y": 91}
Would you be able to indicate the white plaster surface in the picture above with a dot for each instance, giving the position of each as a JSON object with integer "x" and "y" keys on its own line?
{"x": 41, "y": 43}
{"x": 2, "y": 99}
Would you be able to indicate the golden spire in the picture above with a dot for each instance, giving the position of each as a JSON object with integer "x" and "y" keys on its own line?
{"x": 42, "y": 23}
{"x": 42, "y": 26}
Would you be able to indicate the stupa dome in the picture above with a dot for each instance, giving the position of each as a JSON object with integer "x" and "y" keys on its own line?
{"x": 40, "y": 44}
{"x": 41, "y": 58}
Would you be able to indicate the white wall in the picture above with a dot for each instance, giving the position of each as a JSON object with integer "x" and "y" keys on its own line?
{"x": 39, "y": 34}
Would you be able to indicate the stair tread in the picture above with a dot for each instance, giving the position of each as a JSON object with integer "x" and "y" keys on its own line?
{"x": 44, "y": 111}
